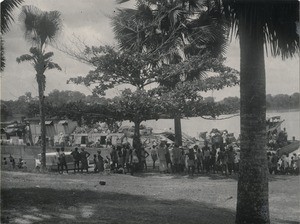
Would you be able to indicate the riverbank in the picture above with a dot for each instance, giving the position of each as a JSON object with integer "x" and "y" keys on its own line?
{"x": 195, "y": 125}
{"x": 146, "y": 198}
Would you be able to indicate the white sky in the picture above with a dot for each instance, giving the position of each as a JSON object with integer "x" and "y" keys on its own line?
{"x": 88, "y": 19}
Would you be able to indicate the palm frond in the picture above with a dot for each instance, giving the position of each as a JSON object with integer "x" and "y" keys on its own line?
{"x": 48, "y": 55}
{"x": 40, "y": 27}
{"x": 7, "y": 7}
{"x": 36, "y": 52}
{"x": 52, "y": 65}
{"x": 25, "y": 57}
{"x": 121, "y": 1}
{"x": 277, "y": 17}
{"x": 2, "y": 54}
{"x": 49, "y": 26}
{"x": 29, "y": 17}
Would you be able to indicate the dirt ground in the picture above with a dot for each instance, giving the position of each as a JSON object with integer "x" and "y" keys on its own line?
{"x": 143, "y": 198}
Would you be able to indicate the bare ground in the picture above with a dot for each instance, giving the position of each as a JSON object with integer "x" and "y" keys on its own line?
{"x": 145, "y": 198}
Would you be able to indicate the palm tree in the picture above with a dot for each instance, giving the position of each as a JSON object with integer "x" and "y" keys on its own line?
{"x": 40, "y": 29}
{"x": 258, "y": 23}
{"x": 174, "y": 30}
{"x": 7, "y": 7}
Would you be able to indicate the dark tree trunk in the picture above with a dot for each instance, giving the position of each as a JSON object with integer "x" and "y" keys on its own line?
{"x": 42, "y": 120}
{"x": 252, "y": 196}
{"x": 178, "y": 134}
{"x": 136, "y": 136}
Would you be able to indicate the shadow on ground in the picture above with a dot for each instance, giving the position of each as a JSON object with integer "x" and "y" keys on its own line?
{"x": 211, "y": 176}
{"x": 45, "y": 205}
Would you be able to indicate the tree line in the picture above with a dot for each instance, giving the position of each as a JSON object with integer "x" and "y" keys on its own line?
{"x": 74, "y": 105}
{"x": 87, "y": 110}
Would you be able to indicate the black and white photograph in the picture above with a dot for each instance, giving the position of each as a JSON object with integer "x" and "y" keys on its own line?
{"x": 150, "y": 111}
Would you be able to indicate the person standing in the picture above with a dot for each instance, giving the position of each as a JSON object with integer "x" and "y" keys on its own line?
{"x": 84, "y": 160}
{"x": 114, "y": 158}
{"x": 96, "y": 164}
{"x": 182, "y": 159}
{"x": 124, "y": 154}
{"x": 230, "y": 164}
{"x": 213, "y": 154}
{"x": 168, "y": 159}
{"x": 12, "y": 161}
{"x": 154, "y": 156}
{"x": 176, "y": 158}
{"x": 63, "y": 160}
{"x": 128, "y": 158}
{"x": 237, "y": 161}
{"x": 191, "y": 161}
{"x": 100, "y": 161}
{"x": 162, "y": 150}
{"x": 206, "y": 152}
{"x": 134, "y": 161}
{"x": 108, "y": 141}
{"x": 223, "y": 160}
{"x": 144, "y": 155}
{"x": 58, "y": 158}
{"x": 120, "y": 158}
{"x": 199, "y": 156}
{"x": 76, "y": 159}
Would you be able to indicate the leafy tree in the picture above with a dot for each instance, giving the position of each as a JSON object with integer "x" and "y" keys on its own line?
{"x": 58, "y": 98}
{"x": 40, "y": 28}
{"x": 136, "y": 106}
{"x": 5, "y": 111}
{"x": 185, "y": 35}
{"x": 194, "y": 72}
{"x": 114, "y": 67}
{"x": 258, "y": 23}
{"x": 232, "y": 103}
{"x": 295, "y": 101}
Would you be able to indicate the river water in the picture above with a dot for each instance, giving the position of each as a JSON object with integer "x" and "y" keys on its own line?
{"x": 193, "y": 126}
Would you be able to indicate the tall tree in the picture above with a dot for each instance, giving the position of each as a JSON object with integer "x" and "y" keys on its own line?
{"x": 180, "y": 32}
{"x": 40, "y": 28}
{"x": 136, "y": 107}
{"x": 116, "y": 67}
{"x": 272, "y": 23}
{"x": 7, "y": 7}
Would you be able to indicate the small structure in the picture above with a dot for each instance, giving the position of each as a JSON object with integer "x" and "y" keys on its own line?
{"x": 13, "y": 133}
{"x": 57, "y": 131}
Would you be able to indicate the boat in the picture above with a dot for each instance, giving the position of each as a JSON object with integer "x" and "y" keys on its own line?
{"x": 274, "y": 123}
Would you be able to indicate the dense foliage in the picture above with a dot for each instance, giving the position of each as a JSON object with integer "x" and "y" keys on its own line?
{"x": 77, "y": 106}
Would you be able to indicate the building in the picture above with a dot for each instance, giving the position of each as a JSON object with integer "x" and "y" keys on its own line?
{"x": 57, "y": 131}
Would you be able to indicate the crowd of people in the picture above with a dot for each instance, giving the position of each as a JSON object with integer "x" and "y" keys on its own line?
{"x": 283, "y": 165}
{"x": 214, "y": 157}
{"x": 10, "y": 163}
{"x": 80, "y": 160}
{"x": 177, "y": 159}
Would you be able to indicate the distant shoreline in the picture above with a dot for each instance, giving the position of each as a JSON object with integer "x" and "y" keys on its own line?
{"x": 283, "y": 110}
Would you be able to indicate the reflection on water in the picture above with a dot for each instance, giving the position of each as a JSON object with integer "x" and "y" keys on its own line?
{"x": 193, "y": 126}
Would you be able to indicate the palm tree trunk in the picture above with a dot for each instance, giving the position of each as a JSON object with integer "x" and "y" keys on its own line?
{"x": 137, "y": 141}
{"x": 177, "y": 127}
{"x": 42, "y": 120}
{"x": 252, "y": 196}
